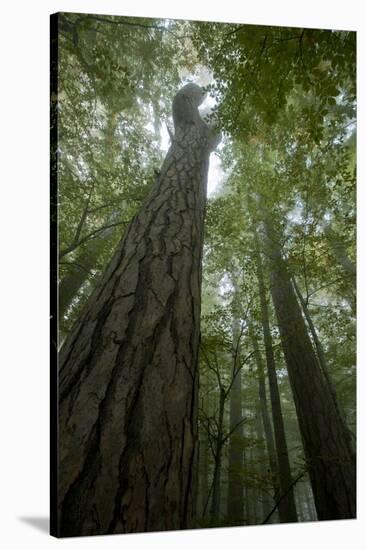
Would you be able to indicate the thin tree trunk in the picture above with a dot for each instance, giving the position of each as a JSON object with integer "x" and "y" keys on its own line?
{"x": 203, "y": 477}
{"x": 204, "y": 488}
{"x": 318, "y": 345}
{"x": 328, "y": 450}
{"x": 287, "y": 506}
{"x": 216, "y": 483}
{"x": 235, "y": 476}
{"x": 247, "y": 491}
{"x": 271, "y": 451}
{"x": 266, "y": 501}
{"x": 128, "y": 371}
{"x": 252, "y": 466}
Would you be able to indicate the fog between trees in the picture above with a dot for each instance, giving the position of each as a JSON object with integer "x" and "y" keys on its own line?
{"x": 207, "y": 344}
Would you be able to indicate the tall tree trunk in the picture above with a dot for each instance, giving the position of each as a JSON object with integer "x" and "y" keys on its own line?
{"x": 235, "y": 476}
{"x": 204, "y": 456}
{"x": 235, "y": 480}
{"x": 321, "y": 357}
{"x": 328, "y": 450}
{"x": 314, "y": 334}
{"x": 265, "y": 498}
{"x": 310, "y": 502}
{"x": 252, "y": 466}
{"x": 128, "y": 371}
{"x": 266, "y": 421}
{"x": 300, "y": 505}
{"x": 247, "y": 491}
{"x": 287, "y": 506}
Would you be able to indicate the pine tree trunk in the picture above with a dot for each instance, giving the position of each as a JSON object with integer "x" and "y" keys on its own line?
{"x": 128, "y": 371}
{"x": 328, "y": 450}
{"x": 287, "y": 506}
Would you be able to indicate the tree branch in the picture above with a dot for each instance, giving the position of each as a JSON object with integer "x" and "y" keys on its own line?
{"x": 230, "y": 433}
{"x": 83, "y": 216}
{"x": 290, "y": 487}
{"x": 133, "y": 24}
{"x": 90, "y": 235}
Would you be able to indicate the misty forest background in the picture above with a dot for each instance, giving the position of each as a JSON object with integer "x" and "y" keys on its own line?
{"x": 281, "y": 184}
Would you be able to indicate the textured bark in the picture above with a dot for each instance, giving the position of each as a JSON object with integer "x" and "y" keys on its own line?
{"x": 235, "y": 477}
{"x": 329, "y": 454}
{"x": 128, "y": 371}
{"x": 287, "y": 506}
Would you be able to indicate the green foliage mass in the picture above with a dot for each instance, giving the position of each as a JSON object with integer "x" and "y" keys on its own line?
{"x": 286, "y": 103}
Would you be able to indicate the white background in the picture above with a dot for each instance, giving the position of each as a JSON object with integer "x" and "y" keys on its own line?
{"x": 24, "y": 188}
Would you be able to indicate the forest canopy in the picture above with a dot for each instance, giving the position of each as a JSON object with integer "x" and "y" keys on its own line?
{"x": 277, "y": 326}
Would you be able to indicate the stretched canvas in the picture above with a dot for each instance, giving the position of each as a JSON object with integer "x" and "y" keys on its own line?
{"x": 203, "y": 274}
